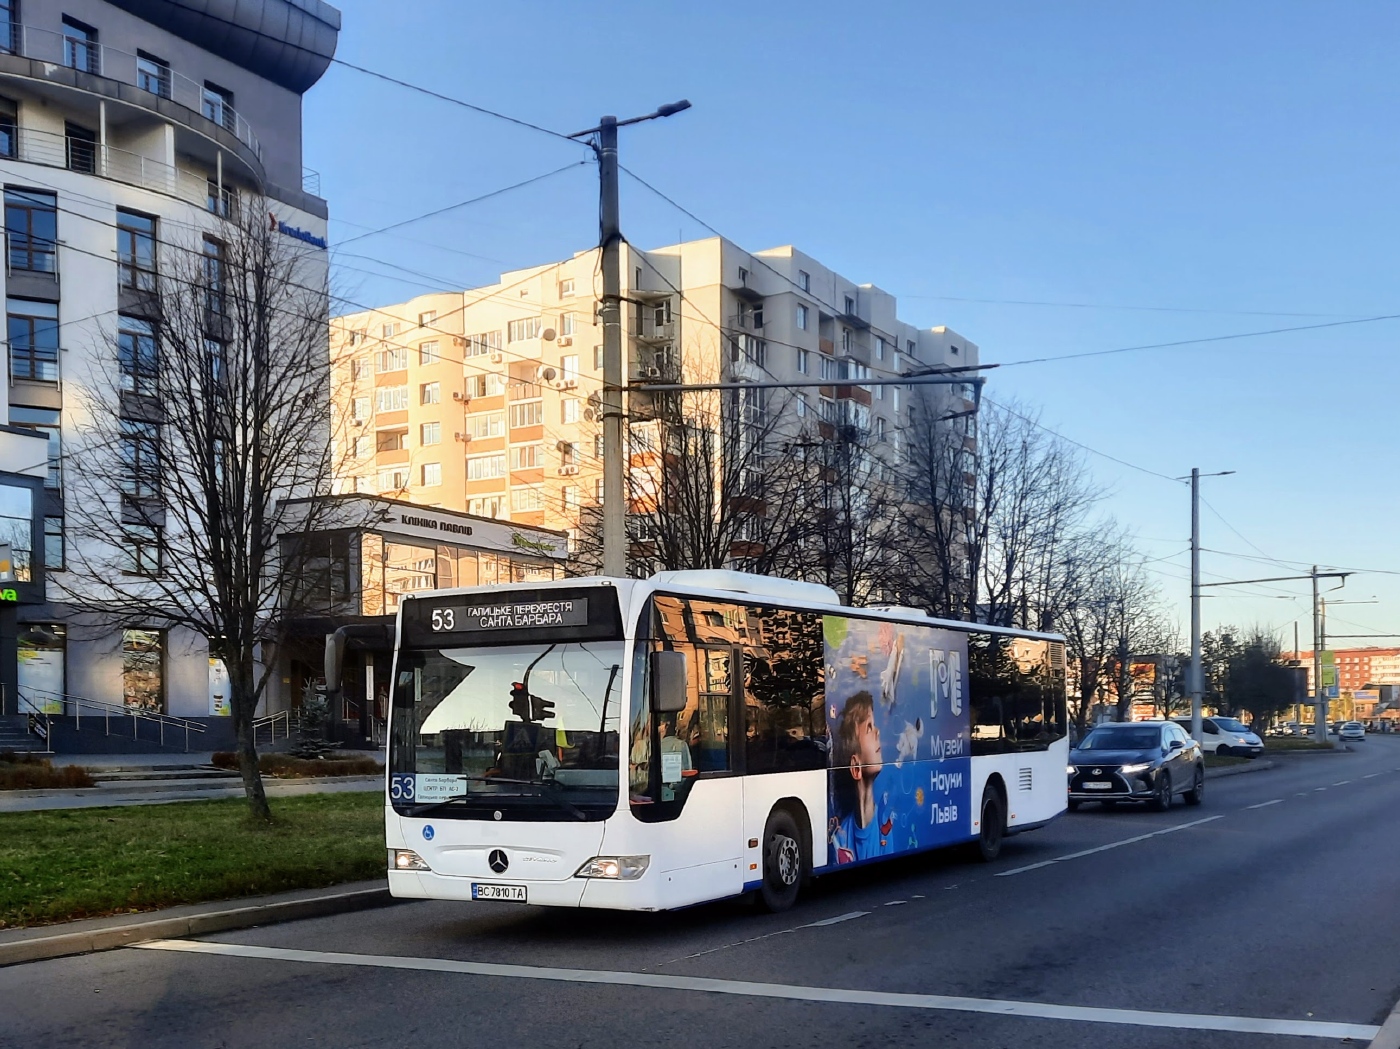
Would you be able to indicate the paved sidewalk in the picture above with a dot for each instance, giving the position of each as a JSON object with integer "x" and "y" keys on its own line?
{"x": 165, "y": 793}
{"x": 197, "y": 919}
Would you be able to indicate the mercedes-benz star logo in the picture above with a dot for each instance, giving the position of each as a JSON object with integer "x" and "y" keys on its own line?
{"x": 498, "y": 861}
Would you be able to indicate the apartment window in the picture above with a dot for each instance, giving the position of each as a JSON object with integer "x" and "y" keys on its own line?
{"x": 137, "y": 356}
{"x": 430, "y": 393}
{"x": 391, "y": 399}
{"x": 804, "y": 280}
{"x": 526, "y": 413}
{"x": 80, "y": 49}
{"x": 484, "y": 343}
{"x": 879, "y": 347}
{"x": 136, "y": 250}
{"x": 953, "y": 350}
{"x": 140, "y": 454}
{"x": 570, "y": 410}
{"x": 566, "y": 323}
{"x": 31, "y": 226}
{"x": 217, "y": 105}
{"x": 491, "y": 506}
{"x": 637, "y": 281}
{"x": 393, "y": 480}
{"x": 33, "y": 333}
{"x": 525, "y": 457}
{"x": 9, "y": 122}
{"x": 566, "y": 288}
{"x": 53, "y": 542}
{"x": 360, "y": 409}
{"x": 9, "y": 26}
{"x": 213, "y": 275}
{"x": 894, "y": 398}
{"x": 426, "y": 317}
{"x": 428, "y": 353}
{"x": 847, "y": 340}
{"x": 598, "y": 446}
{"x": 391, "y": 440}
{"x": 491, "y": 385}
{"x": 430, "y": 433}
{"x": 219, "y": 200}
{"x": 486, "y": 467}
{"x": 598, "y": 491}
{"x": 81, "y": 143}
{"x": 568, "y": 453}
{"x": 432, "y": 474}
{"x": 830, "y": 368}
{"x": 391, "y": 360}
{"x": 801, "y": 405}
{"x": 803, "y": 361}
{"x": 526, "y": 499}
{"x": 525, "y": 328}
{"x": 491, "y": 425}
{"x": 152, "y": 74}
{"x": 364, "y": 446}
{"x": 850, "y": 306}
{"x": 597, "y": 358}
{"x": 388, "y": 331}
{"x": 879, "y": 430}
{"x": 802, "y": 317}
{"x": 569, "y": 367}
{"x": 909, "y": 347}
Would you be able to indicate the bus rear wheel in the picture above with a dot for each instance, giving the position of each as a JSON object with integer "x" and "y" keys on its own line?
{"x": 784, "y": 862}
{"x": 991, "y": 827}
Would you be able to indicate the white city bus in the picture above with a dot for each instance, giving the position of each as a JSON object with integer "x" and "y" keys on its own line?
{"x": 652, "y": 744}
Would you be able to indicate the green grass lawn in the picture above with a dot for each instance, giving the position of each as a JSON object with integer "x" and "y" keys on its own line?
{"x": 1220, "y": 761}
{"x": 81, "y": 863}
{"x": 1286, "y": 743}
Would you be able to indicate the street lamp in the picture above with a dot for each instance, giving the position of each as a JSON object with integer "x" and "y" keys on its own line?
{"x": 610, "y": 313}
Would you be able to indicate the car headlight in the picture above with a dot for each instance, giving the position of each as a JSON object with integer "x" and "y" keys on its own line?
{"x": 1129, "y": 770}
{"x": 616, "y": 868}
{"x": 406, "y": 860}
{"x": 1070, "y": 770}
{"x": 1241, "y": 739}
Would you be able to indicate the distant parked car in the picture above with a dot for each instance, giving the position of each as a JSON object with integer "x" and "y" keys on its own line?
{"x": 1226, "y": 736}
{"x": 1151, "y": 761}
{"x": 1352, "y": 732}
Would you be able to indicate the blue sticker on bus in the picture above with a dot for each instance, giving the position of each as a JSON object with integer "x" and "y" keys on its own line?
{"x": 428, "y": 832}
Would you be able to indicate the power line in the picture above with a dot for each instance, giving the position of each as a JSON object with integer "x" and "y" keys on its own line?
{"x": 1081, "y": 444}
{"x": 454, "y": 101}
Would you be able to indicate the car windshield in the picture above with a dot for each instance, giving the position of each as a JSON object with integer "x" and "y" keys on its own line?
{"x": 529, "y": 728}
{"x": 1232, "y": 725}
{"x": 1122, "y": 739}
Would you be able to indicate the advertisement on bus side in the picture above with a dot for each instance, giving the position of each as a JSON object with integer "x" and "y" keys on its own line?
{"x": 897, "y": 711}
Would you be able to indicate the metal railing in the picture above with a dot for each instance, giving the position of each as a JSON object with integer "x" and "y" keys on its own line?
{"x": 100, "y": 60}
{"x": 96, "y": 710}
{"x": 265, "y": 728}
{"x": 54, "y": 150}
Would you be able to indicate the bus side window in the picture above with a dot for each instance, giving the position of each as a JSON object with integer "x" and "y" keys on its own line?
{"x": 704, "y": 724}
{"x": 784, "y": 688}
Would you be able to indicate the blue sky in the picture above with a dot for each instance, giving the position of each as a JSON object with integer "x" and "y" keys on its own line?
{"x": 1176, "y": 171}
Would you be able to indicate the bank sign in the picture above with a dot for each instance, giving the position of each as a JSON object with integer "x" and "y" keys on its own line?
{"x": 295, "y": 232}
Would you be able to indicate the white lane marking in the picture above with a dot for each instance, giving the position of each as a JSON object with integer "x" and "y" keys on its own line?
{"x": 834, "y": 921}
{"x": 1302, "y": 794}
{"x": 789, "y": 992}
{"x": 1371, "y": 775}
{"x": 1316, "y": 789}
{"x": 1341, "y": 783}
{"x": 1265, "y": 804}
{"x": 896, "y": 903}
{"x": 918, "y": 897}
{"x": 1110, "y": 845}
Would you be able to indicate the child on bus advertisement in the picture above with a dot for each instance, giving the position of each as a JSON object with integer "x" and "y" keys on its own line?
{"x": 894, "y": 683}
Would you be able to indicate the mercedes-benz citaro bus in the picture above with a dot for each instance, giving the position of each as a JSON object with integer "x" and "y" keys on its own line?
{"x": 656, "y": 743}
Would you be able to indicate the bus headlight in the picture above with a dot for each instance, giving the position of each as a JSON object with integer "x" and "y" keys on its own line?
{"x": 406, "y": 860}
{"x": 624, "y": 868}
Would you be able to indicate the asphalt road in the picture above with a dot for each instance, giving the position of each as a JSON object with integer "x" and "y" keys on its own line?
{"x": 1269, "y": 911}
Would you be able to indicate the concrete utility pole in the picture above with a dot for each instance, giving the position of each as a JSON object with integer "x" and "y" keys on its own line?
{"x": 610, "y": 313}
{"x": 1319, "y": 692}
{"x": 1197, "y": 681}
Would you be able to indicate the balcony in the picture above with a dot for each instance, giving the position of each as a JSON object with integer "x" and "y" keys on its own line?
{"x": 120, "y": 165}
{"x": 96, "y": 59}
{"x": 649, "y": 330}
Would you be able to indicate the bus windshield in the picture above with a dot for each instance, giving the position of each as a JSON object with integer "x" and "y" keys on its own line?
{"x": 517, "y": 732}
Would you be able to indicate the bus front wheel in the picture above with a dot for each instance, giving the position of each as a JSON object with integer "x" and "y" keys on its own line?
{"x": 784, "y": 862}
{"x": 991, "y": 827}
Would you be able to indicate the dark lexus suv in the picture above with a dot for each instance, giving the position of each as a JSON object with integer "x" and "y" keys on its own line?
{"x": 1150, "y": 761}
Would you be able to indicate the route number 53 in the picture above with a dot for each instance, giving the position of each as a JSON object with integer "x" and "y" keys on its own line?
{"x": 444, "y": 619}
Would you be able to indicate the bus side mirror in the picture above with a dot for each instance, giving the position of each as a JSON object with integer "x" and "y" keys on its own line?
{"x": 668, "y": 679}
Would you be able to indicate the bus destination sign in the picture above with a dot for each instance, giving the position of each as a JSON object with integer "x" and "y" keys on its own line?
{"x": 511, "y": 615}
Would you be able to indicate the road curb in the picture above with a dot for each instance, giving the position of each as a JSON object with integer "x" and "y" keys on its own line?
{"x": 63, "y": 944}
{"x": 174, "y": 786}
{"x": 1388, "y": 1037}
{"x": 1257, "y": 765}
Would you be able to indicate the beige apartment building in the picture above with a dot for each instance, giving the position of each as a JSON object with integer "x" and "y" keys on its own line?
{"x": 479, "y": 400}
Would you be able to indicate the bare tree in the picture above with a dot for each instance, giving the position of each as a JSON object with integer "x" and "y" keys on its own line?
{"x": 206, "y": 417}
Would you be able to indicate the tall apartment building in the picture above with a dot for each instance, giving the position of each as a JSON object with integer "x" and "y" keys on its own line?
{"x": 125, "y": 127}
{"x": 480, "y": 400}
